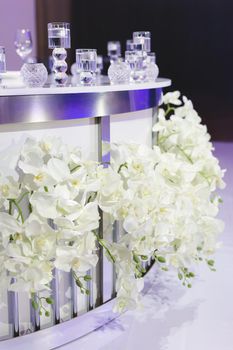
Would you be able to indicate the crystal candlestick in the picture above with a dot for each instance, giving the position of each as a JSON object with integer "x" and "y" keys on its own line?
{"x": 86, "y": 63}
{"x": 59, "y": 41}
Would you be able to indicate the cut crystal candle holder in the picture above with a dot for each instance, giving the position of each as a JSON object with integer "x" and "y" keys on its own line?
{"x": 59, "y": 40}
{"x": 86, "y": 64}
{"x": 119, "y": 72}
{"x": 34, "y": 74}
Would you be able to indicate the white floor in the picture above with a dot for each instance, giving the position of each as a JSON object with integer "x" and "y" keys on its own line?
{"x": 176, "y": 318}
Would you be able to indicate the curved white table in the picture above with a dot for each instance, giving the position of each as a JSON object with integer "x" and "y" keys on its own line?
{"x": 88, "y": 117}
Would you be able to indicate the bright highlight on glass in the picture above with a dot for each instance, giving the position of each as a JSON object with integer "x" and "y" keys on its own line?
{"x": 23, "y": 43}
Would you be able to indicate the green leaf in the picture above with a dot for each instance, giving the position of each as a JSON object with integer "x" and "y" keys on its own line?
{"x": 35, "y": 305}
{"x": 210, "y": 262}
{"x": 180, "y": 276}
{"x": 191, "y": 274}
{"x": 49, "y": 301}
{"x": 189, "y": 285}
{"x": 79, "y": 283}
{"x": 47, "y": 313}
{"x": 161, "y": 259}
{"x": 87, "y": 278}
{"x": 144, "y": 257}
{"x": 136, "y": 259}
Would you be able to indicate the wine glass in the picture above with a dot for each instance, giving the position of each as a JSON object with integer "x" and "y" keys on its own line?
{"x": 23, "y": 43}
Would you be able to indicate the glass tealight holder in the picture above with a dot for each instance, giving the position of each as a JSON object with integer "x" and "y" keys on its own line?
{"x": 2, "y": 62}
{"x": 59, "y": 41}
{"x": 143, "y": 39}
{"x": 129, "y": 45}
{"x": 119, "y": 72}
{"x": 34, "y": 74}
{"x": 152, "y": 70}
{"x": 136, "y": 62}
{"x": 86, "y": 65}
{"x": 114, "y": 50}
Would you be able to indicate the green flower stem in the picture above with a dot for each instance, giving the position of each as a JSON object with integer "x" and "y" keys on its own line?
{"x": 10, "y": 207}
{"x": 102, "y": 243}
{"x": 19, "y": 209}
{"x": 75, "y": 168}
{"x": 22, "y": 197}
{"x": 78, "y": 282}
{"x": 169, "y": 109}
{"x": 185, "y": 154}
{"x": 162, "y": 139}
{"x": 37, "y": 304}
{"x": 121, "y": 166}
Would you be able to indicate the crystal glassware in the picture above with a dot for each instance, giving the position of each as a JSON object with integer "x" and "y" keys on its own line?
{"x": 136, "y": 62}
{"x": 129, "y": 45}
{"x": 23, "y": 43}
{"x": 2, "y": 62}
{"x": 119, "y": 72}
{"x": 100, "y": 64}
{"x": 86, "y": 63}
{"x": 114, "y": 50}
{"x": 34, "y": 74}
{"x": 142, "y": 40}
{"x": 59, "y": 40}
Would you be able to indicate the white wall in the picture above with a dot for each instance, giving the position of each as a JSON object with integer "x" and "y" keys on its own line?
{"x": 15, "y": 14}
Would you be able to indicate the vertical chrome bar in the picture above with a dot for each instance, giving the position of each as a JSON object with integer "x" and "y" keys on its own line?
{"x": 116, "y": 236}
{"x": 155, "y": 114}
{"x": 55, "y": 293}
{"x": 13, "y": 310}
{"x": 104, "y": 271}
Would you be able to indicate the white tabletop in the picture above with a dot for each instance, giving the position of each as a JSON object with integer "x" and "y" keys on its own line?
{"x": 23, "y": 91}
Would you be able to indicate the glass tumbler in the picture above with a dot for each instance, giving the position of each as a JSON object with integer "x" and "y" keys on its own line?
{"x": 59, "y": 41}
{"x": 143, "y": 40}
{"x": 129, "y": 45}
{"x": 86, "y": 62}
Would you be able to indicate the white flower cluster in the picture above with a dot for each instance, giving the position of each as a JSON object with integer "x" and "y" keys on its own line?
{"x": 48, "y": 216}
{"x": 164, "y": 197}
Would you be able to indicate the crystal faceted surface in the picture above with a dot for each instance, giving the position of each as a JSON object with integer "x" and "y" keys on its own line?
{"x": 34, "y": 74}
{"x": 119, "y": 72}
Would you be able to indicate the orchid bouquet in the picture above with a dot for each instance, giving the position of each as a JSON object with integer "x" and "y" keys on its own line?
{"x": 164, "y": 197}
